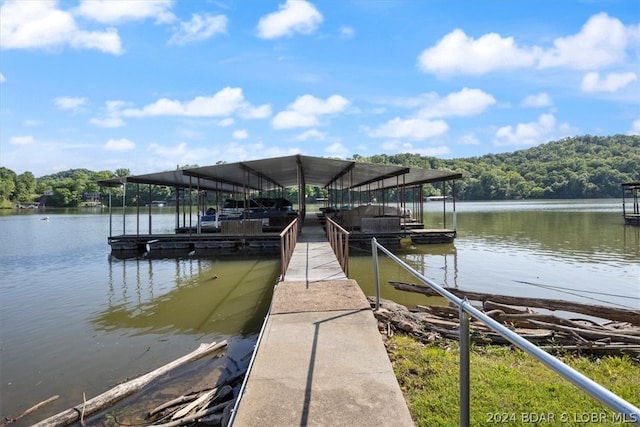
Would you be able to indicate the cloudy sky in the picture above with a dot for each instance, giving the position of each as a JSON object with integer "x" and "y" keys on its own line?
{"x": 149, "y": 85}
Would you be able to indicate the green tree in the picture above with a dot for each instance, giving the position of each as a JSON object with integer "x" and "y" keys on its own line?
{"x": 7, "y": 184}
{"x": 25, "y": 187}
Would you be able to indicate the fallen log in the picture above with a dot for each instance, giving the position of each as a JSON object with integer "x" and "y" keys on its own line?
{"x": 590, "y": 333}
{"x": 429, "y": 324}
{"x": 125, "y": 389}
{"x": 175, "y": 402}
{"x": 603, "y": 312}
{"x": 524, "y": 320}
{"x": 209, "y": 411}
{"x": 31, "y": 410}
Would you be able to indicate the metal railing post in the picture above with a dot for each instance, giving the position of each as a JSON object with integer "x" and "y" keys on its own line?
{"x": 376, "y": 271}
{"x": 465, "y": 348}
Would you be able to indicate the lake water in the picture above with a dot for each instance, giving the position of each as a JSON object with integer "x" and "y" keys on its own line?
{"x": 75, "y": 319}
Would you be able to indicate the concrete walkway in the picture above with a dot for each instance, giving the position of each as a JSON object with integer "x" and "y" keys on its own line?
{"x": 321, "y": 360}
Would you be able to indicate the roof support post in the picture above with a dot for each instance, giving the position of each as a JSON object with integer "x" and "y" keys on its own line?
{"x": 149, "y": 187}
{"x": 137, "y": 209}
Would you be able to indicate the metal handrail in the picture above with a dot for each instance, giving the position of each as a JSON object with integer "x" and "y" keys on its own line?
{"x": 589, "y": 386}
{"x": 339, "y": 241}
{"x": 288, "y": 239}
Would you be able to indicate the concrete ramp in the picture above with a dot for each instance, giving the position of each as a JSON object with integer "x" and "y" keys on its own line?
{"x": 321, "y": 360}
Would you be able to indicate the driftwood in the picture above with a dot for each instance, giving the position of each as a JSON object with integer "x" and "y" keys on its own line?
{"x": 30, "y": 410}
{"x": 603, "y": 312}
{"x": 123, "y": 390}
{"x": 435, "y": 323}
{"x": 209, "y": 406}
{"x": 200, "y": 415}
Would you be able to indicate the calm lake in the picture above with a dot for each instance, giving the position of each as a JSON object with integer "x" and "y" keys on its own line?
{"x": 74, "y": 319}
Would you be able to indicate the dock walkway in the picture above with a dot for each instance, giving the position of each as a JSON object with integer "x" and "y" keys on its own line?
{"x": 321, "y": 360}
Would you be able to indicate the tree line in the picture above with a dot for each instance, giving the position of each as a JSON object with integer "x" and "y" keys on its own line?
{"x": 577, "y": 167}
{"x": 571, "y": 168}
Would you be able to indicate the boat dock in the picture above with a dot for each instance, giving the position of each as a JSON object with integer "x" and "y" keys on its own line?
{"x": 320, "y": 359}
{"x": 631, "y": 213}
{"x": 249, "y": 209}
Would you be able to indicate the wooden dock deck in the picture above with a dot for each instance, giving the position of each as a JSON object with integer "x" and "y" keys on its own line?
{"x": 321, "y": 360}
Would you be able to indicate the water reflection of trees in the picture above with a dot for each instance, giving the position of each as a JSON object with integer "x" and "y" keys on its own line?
{"x": 584, "y": 236}
{"x": 192, "y": 296}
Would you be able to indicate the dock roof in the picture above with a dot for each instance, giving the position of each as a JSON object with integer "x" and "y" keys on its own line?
{"x": 290, "y": 171}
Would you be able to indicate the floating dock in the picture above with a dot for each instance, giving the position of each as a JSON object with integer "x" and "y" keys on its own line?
{"x": 320, "y": 359}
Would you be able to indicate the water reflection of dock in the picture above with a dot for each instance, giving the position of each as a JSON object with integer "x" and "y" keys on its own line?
{"x": 223, "y": 297}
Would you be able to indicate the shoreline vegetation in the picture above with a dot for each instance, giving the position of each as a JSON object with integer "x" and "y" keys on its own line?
{"x": 580, "y": 167}
{"x": 507, "y": 385}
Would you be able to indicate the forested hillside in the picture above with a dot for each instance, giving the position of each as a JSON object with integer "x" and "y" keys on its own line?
{"x": 579, "y": 167}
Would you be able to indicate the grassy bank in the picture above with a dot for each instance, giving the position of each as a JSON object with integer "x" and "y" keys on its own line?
{"x": 507, "y": 386}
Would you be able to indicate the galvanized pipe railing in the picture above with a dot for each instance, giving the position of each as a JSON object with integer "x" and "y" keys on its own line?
{"x": 288, "y": 239}
{"x": 339, "y": 241}
{"x": 613, "y": 401}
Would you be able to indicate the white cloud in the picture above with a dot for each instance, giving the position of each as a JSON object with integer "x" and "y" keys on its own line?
{"x": 397, "y": 146}
{"x": 226, "y": 122}
{"x": 295, "y": 16}
{"x": 467, "y": 102}
{"x": 309, "y": 104}
{"x": 223, "y": 103}
{"x": 240, "y": 134}
{"x": 311, "y": 134}
{"x": 635, "y": 128}
{"x": 292, "y": 119}
{"x": 469, "y": 139}
{"x": 199, "y": 28}
{"x": 601, "y": 41}
{"x": 306, "y": 110}
{"x": 414, "y": 129}
{"x": 537, "y": 101}
{"x": 40, "y": 25}
{"x": 347, "y": 32}
{"x": 22, "y": 140}
{"x": 2, "y": 79}
{"x": 69, "y": 102}
{"x": 112, "y": 119}
{"x": 531, "y": 133}
{"x": 114, "y": 12}
{"x": 336, "y": 149}
{"x": 250, "y": 112}
{"x": 122, "y": 144}
{"x": 457, "y": 53}
{"x": 107, "y": 122}
{"x": 613, "y": 82}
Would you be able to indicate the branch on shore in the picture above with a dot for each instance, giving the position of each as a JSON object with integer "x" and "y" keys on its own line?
{"x": 600, "y": 311}
{"x": 434, "y": 323}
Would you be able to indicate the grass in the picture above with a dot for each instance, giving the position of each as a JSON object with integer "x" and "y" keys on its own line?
{"x": 507, "y": 386}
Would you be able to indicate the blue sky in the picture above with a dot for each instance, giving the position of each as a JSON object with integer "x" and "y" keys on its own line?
{"x": 149, "y": 85}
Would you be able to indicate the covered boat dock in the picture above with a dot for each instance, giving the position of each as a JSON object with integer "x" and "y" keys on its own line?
{"x": 367, "y": 200}
{"x": 630, "y": 196}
